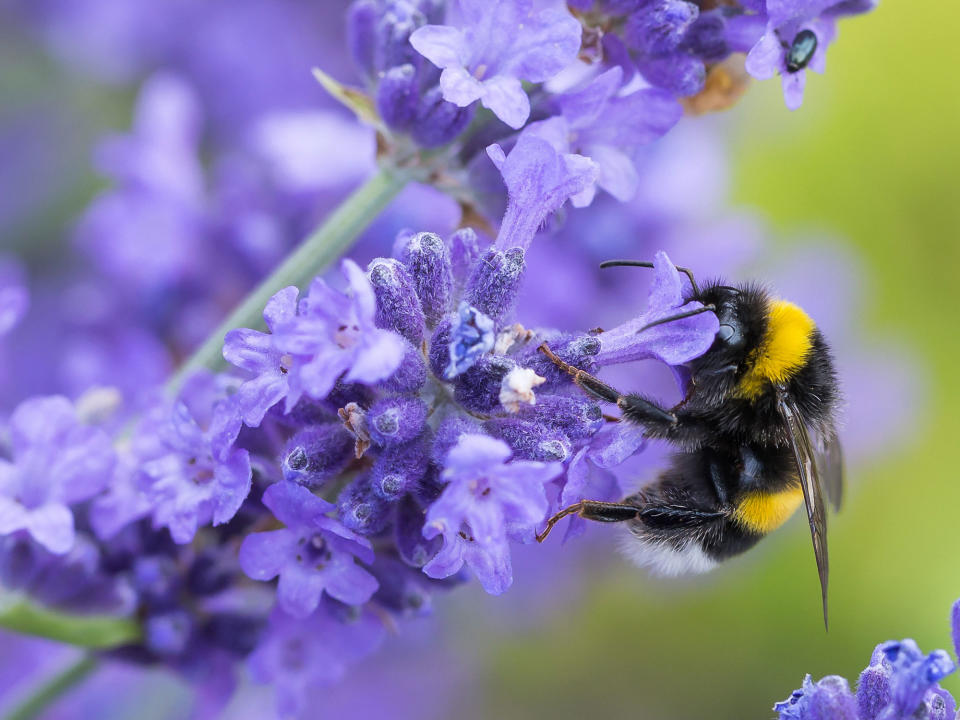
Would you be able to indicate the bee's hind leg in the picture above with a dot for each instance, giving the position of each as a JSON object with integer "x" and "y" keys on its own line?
{"x": 592, "y": 510}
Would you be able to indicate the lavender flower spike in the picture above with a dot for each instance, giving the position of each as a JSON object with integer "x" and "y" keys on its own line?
{"x": 312, "y": 555}
{"x": 56, "y": 462}
{"x": 486, "y": 501}
{"x": 675, "y": 342}
{"x": 501, "y": 43}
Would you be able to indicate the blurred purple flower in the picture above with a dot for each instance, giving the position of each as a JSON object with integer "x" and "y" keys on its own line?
{"x": 608, "y": 128}
{"x": 14, "y": 301}
{"x": 485, "y": 502}
{"x": 484, "y": 61}
{"x": 291, "y": 659}
{"x": 55, "y": 462}
{"x": 313, "y": 555}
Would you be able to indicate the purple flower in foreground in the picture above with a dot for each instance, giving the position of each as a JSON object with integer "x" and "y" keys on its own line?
{"x": 674, "y": 342}
{"x": 298, "y": 655}
{"x": 539, "y": 179}
{"x": 55, "y": 463}
{"x": 501, "y": 43}
{"x": 485, "y": 502}
{"x": 328, "y": 336}
{"x": 194, "y": 474}
{"x": 313, "y": 555}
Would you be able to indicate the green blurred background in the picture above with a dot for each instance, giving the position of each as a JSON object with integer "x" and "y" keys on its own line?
{"x": 872, "y": 156}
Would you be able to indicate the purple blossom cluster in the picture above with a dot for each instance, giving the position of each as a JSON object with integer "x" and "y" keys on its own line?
{"x": 900, "y": 682}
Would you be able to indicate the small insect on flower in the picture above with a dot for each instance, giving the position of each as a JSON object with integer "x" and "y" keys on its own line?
{"x": 756, "y": 436}
{"x": 801, "y": 50}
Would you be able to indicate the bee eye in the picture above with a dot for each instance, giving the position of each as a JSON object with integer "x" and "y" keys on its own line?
{"x": 725, "y": 333}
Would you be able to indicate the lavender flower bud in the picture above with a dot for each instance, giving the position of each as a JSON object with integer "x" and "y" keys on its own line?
{"x": 410, "y": 376}
{"x": 493, "y": 285}
{"x": 237, "y": 633}
{"x": 362, "y": 18}
{"x": 438, "y": 121}
{"x": 873, "y": 692}
{"x": 393, "y": 35}
{"x": 316, "y": 454}
{"x": 396, "y": 420}
{"x": 471, "y": 337}
{"x": 168, "y": 634}
{"x": 398, "y": 470}
{"x": 530, "y": 440}
{"x": 156, "y": 580}
{"x": 398, "y": 94}
{"x": 577, "y": 418}
{"x": 414, "y": 549}
{"x": 448, "y": 434}
{"x": 398, "y": 308}
{"x": 659, "y": 28}
{"x": 478, "y": 389}
{"x": 707, "y": 37}
{"x": 578, "y": 350}
{"x": 401, "y": 587}
{"x": 361, "y": 510}
{"x": 679, "y": 72}
{"x": 209, "y": 574}
{"x": 439, "y": 354}
{"x": 464, "y": 252}
{"x": 427, "y": 258}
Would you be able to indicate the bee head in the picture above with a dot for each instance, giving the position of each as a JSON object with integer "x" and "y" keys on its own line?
{"x": 742, "y": 313}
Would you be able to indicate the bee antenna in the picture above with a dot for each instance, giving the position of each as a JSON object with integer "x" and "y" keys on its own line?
{"x": 678, "y": 316}
{"x": 640, "y": 263}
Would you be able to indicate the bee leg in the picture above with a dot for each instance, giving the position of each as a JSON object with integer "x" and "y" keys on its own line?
{"x": 642, "y": 411}
{"x": 592, "y": 510}
{"x": 588, "y": 382}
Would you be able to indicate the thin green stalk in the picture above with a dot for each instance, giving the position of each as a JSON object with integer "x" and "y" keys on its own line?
{"x": 90, "y": 631}
{"x": 325, "y": 245}
{"x": 53, "y": 689}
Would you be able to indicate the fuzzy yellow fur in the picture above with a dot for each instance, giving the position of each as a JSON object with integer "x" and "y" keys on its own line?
{"x": 782, "y": 351}
{"x": 764, "y": 512}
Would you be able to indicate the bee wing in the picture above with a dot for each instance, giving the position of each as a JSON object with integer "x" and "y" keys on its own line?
{"x": 830, "y": 464}
{"x": 810, "y": 481}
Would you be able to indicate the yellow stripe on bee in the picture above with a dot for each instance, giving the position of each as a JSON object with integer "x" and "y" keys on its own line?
{"x": 782, "y": 351}
{"x": 764, "y": 512}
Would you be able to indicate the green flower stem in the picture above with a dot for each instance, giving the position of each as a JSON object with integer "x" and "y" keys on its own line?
{"x": 53, "y": 689}
{"x": 325, "y": 245}
{"x": 90, "y": 631}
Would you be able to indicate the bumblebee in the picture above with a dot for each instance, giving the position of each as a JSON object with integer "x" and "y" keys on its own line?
{"x": 755, "y": 433}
